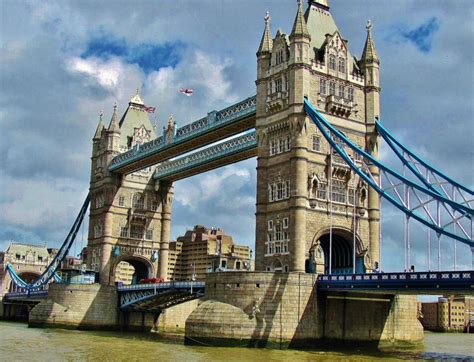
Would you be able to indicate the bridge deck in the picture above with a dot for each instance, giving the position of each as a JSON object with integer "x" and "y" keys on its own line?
{"x": 222, "y": 154}
{"x": 215, "y": 127}
{"x": 435, "y": 283}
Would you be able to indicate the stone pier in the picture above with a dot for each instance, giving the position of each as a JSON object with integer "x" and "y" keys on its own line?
{"x": 284, "y": 310}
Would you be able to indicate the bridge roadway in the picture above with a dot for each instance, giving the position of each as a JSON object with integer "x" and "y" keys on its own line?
{"x": 218, "y": 125}
{"x": 221, "y": 154}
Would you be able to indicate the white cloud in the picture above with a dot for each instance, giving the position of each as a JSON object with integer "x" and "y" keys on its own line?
{"x": 105, "y": 73}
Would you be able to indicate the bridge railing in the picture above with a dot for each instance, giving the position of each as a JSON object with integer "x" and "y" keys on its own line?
{"x": 238, "y": 144}
{"x": 446, "y": 275}
{"x": 165, "y": 285}
{"x": 214, "y": 119}
{"x": 31, "y": 294}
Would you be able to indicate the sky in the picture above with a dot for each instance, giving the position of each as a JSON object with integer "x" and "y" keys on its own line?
{"x": 61, "y": 63}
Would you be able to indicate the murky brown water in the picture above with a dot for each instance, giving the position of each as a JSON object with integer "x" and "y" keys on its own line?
{"x": 20, "y": 343}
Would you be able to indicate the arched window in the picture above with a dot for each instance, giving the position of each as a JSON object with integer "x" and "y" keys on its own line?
{"x": 342, "y": 65}
{"x": 332, "y": 62}
{"x": 332, "y": 88}
{"x": 350, "y": 94}
{"x": 139, "y": 201}
{"x": 341, "y": 91}
{"x": 322, "y": 86}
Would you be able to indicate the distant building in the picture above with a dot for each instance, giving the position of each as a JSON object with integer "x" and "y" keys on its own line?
{"x": 447, "y": 314}
{"x": 29, "y": 262}
{"x": 204, "y": 250}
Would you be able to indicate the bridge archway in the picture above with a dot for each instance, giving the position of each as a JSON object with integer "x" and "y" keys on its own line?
{"x": 132, "y": 269}
{"x": 27, "y": 276}
{"x": 342, "y": 252}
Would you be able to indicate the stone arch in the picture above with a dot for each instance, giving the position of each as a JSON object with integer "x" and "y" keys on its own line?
{"x": 342, "y": 251}
{"x": 143, "y": 268}
{"x": 28, "y": 276}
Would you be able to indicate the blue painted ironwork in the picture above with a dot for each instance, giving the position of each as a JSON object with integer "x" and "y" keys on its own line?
{"x": 160, "y": 295}
{"x": 419, "y": 191}
{"x": 462, "y": 281}
{"x": 416, "y": 164}
{"x": 239, "y": 144}
{"x": 51, "y": 270}
{"x": 213, "y": 121}
{"x": 26, "y": 295}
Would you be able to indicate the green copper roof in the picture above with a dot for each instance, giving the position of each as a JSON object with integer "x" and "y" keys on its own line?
{"x": 134, "y": 117}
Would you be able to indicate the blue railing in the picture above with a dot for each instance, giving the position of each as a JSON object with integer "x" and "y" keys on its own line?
{"x": 419, "y": 281}
{"x": 214, "y": 120}
{"x": 239, "y": 144}
{"x": 165, "y": 285}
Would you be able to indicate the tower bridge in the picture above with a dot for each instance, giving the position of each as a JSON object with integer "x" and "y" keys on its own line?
{"x": 315, "y": 128}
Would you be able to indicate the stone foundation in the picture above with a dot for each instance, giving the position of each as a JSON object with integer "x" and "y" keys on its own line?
{"x": 92, "y": 306}
{"x": 171, "y": 320}
{"x": 284, "y": 310}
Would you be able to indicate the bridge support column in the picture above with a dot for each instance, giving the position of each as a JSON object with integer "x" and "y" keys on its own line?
{"x": 298, "y": 193}
{"x": 167, "y": 200}
{"x": 374, "y": 212}
{"x": 106, "y": 251}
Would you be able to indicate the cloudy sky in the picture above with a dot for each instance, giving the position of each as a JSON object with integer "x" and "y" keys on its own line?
{"x": 63, "y": 62}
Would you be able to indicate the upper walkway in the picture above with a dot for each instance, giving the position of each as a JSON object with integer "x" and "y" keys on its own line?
{"x": 216, "y": 126}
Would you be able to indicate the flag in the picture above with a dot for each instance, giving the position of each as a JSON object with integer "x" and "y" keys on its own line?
{"x": 186, "y": 91}
{"x": 150, "y": 109}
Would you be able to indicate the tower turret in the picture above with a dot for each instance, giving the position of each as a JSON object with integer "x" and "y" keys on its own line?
{"x": 100, "y": 128}
{"x": 264, "y": 50}
{"x": 113, "y": 133}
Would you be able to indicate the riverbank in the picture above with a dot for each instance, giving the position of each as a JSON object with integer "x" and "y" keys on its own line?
{"x": 20, "y": 343}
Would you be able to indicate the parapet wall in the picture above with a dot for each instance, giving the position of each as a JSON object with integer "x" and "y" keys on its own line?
{"x": 92, "y": 306}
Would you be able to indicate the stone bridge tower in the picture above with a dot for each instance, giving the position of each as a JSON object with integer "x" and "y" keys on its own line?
{"x": 130, "y": 214}
{"x": 311, "y": 208}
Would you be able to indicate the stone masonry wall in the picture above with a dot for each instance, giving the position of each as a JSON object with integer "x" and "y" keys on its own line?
{"x": 256, "y": 308}
{"x": 78, "y": 306}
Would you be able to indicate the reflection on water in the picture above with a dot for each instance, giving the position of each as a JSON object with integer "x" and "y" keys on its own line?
{"x": 20, "y": 343}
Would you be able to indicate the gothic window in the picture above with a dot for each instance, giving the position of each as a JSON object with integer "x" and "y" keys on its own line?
{"x": 341, "y": 91}
{"x": 139, "y": 201}
{"x": 136, "y": 231}
{"x": 350, "y": 94}
{"x": 97, "y": 231}
{"x": 279, "y": 57}
{"x": 332, "y": 88}
{"x": 316, "y": 143}
{"x": 278, "y": 85}
{"x": 280, "y": 190}
{"x": 351, "y": 196}
{"x": 339, "y": 191}
{"x": 342, "y": 65}
{"x": 285, "y": 223}
{"x": 288, "y": 143}
{"x": 270, "y": 225}
{"x": 287, "y": 189}
{"x": 149, "y": 234}
{"x": 273, "y": 147}
{"x": 322, "y": 86}
{"x": 321, "y": 191}
{"x": 124, "y": 232}
{"x": 121, "y": 200}
{"x": 272, "y": 192}
{"x": 332, "y": 62}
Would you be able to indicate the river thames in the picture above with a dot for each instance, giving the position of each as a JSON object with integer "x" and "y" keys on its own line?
{"x": 20, "y": 343}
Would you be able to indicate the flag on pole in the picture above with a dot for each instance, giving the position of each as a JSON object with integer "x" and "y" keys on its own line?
{"x": 186, "y": 91}
{"x": 150, "y": 109}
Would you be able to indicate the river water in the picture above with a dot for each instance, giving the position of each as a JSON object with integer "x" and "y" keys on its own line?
{"x": 20, "y": 343}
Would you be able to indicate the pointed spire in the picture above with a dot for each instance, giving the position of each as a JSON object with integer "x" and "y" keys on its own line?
{"x": 369, "y": 55}
{"x": 100, "y": 127}
{"x": 299, "y": 27}
{"x": 114, "y": 125}
{"x": 267, "y": 43}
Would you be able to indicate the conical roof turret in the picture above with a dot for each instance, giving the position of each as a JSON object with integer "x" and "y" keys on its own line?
{"x": 369, "y": 55}
{"x": 299, "y": 27}
{"x": 114, "y": 124}
{"x": 266, "y": 44}
{"x": 100, "y": 127}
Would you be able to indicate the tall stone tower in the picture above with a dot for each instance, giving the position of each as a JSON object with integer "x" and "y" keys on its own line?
{"x": 312, "y": 210}
{"x": 129, "y": 215}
